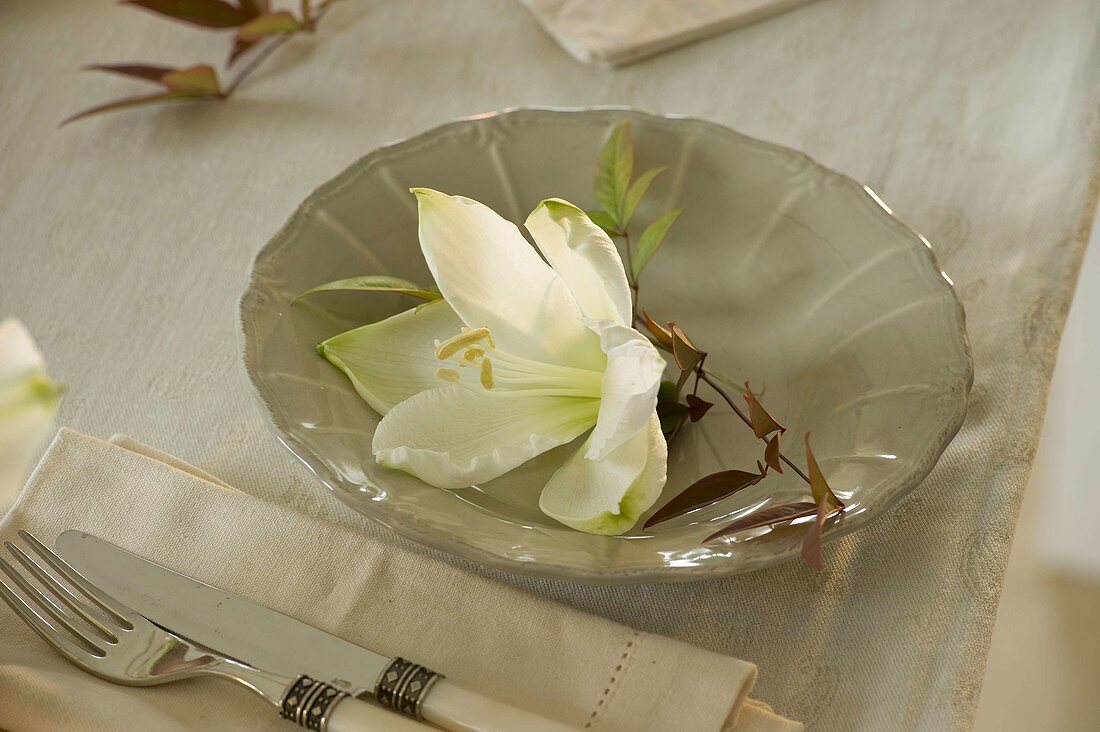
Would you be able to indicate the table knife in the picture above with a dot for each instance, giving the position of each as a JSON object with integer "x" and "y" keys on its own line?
{"x": 267, "y": 639}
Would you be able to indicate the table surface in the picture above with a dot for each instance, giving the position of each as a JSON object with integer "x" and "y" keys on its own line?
{"x": 125, "y": 242}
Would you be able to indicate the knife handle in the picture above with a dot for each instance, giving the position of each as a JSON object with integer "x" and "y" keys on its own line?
{"x": 421, "y": 693}
{"x": 454, "y": 708}
{"x": 353, "y": 715}
{"x": 322, "y": 707}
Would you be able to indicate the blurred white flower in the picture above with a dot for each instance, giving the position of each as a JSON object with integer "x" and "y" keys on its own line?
{"x": 28, "y": 407}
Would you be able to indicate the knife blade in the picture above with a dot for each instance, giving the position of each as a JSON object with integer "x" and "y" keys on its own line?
{"x": 237, "y": 627}
{"x": 263, "y": 638}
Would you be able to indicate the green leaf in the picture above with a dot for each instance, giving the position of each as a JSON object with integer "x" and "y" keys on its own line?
{"x": 652, "y": 238}
{"x": 666, "y": 392}
{"x": 375, "y": 283}
{"x": 705, "y": 491}
{"x": 637, "y": 191}
{"x": 671, "y": 415}
{"x": 202, "y": 80}
{"x": 603, "y": 220}
{"x": 134, "y": 102}
{"x": 268, "y": 24}
{"x": 614, "y": 170}
{"x": 765, "y": 517}
{"x": 204, "y": 13}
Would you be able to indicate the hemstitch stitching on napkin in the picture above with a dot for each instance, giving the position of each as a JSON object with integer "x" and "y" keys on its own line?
{"x": 615, "y": 676}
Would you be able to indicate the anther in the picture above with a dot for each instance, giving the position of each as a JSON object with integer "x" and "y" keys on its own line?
{"x": 487, "y": 374}
{"x": 467, "y": 338}
{"x": 448, "y": 375}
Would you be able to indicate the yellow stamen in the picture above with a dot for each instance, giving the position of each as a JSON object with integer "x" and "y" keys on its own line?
{"x": 467, "y": 338}
{"x": 473, "y": 354}
{"x": 487, "y": 374}
{"x": 448, "y": 375}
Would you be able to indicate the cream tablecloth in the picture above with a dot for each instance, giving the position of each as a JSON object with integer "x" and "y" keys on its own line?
{"x": 124, "y": 243}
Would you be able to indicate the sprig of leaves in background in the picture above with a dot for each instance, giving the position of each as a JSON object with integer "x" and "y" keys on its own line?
{"x": 619, "y": 195}
{"x": 259, "y": 31}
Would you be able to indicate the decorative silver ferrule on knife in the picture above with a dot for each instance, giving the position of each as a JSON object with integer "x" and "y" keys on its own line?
{"x": 309, "y": 703}
{"x": 403, "y": 685}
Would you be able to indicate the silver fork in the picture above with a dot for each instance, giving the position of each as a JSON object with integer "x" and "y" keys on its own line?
{"x": 106, "y": 638}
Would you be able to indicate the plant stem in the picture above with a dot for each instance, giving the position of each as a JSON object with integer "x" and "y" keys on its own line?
{"x": 630, "y": 276}
{"x": 269, "y": 49}
{"x": 744, "y": 418}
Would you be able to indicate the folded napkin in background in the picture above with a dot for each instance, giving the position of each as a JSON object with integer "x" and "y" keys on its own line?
{"x": 620, "y": 32}
{"x": 507, "y": 643}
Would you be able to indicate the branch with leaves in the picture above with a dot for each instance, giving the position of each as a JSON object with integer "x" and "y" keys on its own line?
{"x": 259, "y": 32}
{"x": 619, "y": 195}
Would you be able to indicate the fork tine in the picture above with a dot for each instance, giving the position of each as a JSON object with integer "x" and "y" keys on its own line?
{"x": 39, "y": 624}
{"x": 61, "y": 592}
{"x": 105, "y": 602}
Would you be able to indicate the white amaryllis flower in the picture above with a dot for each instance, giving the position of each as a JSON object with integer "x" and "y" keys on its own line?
{"x": 28, "y": 407}
{"x": 520, "y": 356}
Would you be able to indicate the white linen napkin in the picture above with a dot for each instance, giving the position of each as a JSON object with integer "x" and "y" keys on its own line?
{"x": 620, "y": 32}
{"x": 504, "y": 642}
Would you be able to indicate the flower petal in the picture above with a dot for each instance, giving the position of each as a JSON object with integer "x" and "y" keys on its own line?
{"x": 18, "y": 353}
{"x": 609, "y": 495}
{"x": 457, "y": 436}
{"x": 585, "y": 258}
{"x": 628, "y": 393}
{"x": 28, "y": 407}
{"x": 392, "y": 360}
{"x": 493, "y": 278}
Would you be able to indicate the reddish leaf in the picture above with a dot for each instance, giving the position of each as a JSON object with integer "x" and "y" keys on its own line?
{"x": 267, "y": 25}
{"x": 826, "y": 504}
{"x": 137, "y": 71}
{"x": 765, "y": 517}
{"x": 663, "y": 335}
{"x": 252, "y": 8}
{"x": 200, "y": 79}
{"x": 771, "y": 453}
{"x": 133, "y": 102}
{"x": 705, "y": 491}
{"x": 205, "y": 13}
{"x": 763, "y": 424}
{"x": 818, "y": 484}
{"x": 239, "y": 49}
{"x": 684, "y": 353}
{"x": 699, "y": 407}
